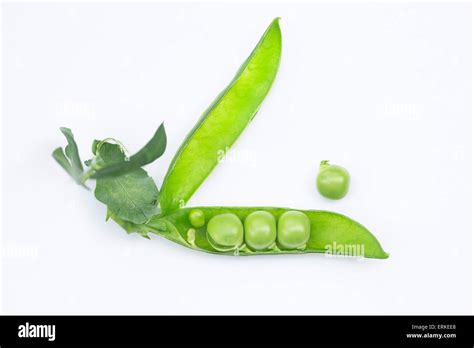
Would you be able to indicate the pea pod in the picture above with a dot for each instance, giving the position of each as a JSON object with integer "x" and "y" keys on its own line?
{"x": 223, "y": 122}
{"x": 330, "y": 233}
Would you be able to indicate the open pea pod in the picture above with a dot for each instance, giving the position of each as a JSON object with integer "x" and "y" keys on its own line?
{"x": 330, "y": 233}
{"x": 223, "y": 122}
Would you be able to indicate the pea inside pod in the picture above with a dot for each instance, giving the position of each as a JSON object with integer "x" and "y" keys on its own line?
{"x": 294, "y": 229}
{"x": 225, "y": 232}
{"x": 197, "y": 218}
{"x": 260, "y": 230}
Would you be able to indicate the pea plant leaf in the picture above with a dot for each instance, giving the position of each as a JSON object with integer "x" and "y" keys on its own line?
{"x": 69, "y": 158}
{"x": 132, "y": 196}
{"x": 149, "y": 153}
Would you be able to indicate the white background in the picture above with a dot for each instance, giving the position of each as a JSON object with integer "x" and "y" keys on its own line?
{"x": 384, "y": 90}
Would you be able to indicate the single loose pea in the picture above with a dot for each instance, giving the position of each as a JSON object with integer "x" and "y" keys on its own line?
{"x": 197, "y": 218}
{"x": 225, "y": 232}
{"x": 332, "y": 181}
{"x": 260, "y": 230}
{"x": 294, "y": 230}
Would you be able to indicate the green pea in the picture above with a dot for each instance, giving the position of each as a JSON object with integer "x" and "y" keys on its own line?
{"x": 197, "y": 218}
{"x": 225, "y": 232}
{"x": 260, "y": 230}
{"x": 294, "y": 230}
{"x": 332, "y": 181}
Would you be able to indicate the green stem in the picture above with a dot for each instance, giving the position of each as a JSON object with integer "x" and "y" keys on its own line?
{"x": 324, "y": 164}
{"x": 86, "y": 175}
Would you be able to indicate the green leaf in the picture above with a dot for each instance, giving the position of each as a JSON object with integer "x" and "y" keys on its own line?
{"x": 72, "y": 152}
{"x": 223, "y": 122}
{"x": 132, "y": 196}
{"x": 69, "y": 157}
{"x": 150, "y": 152}
{"x": 108, "y": 154}
{"x": 61, "y": 158}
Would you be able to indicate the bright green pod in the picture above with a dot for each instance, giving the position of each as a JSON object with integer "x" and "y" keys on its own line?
{"x": 223, "y": 122}
{"x": 330, "y": 233}
{"x": 260, "y": 230}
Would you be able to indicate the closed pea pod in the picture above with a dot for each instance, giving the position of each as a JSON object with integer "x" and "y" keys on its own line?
{"x": 260, "y": 230}
{"x": 223, "y": 122}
